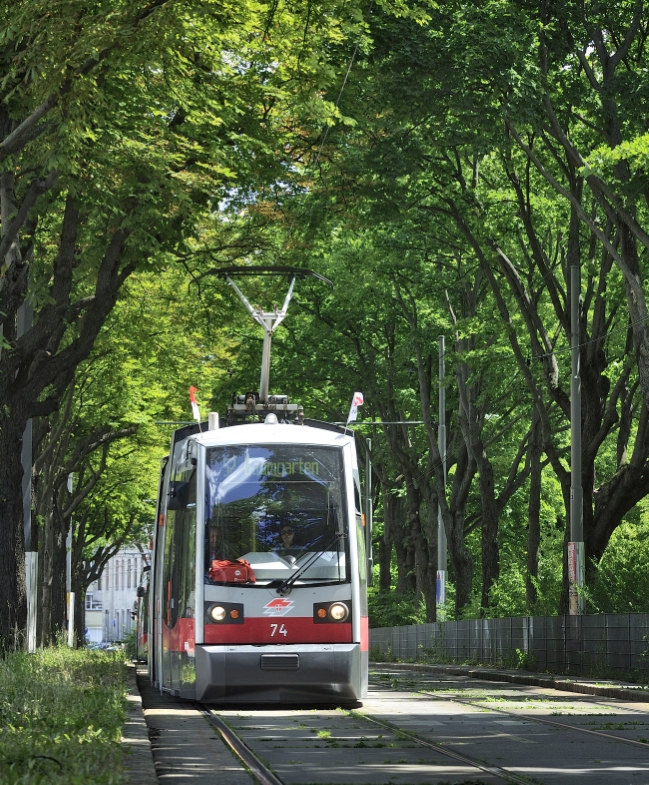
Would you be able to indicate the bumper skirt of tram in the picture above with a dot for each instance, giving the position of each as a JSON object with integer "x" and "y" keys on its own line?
{"x": 298, "y": 673}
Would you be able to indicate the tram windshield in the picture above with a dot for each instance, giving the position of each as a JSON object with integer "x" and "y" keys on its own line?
{"x": 278, "y": 507}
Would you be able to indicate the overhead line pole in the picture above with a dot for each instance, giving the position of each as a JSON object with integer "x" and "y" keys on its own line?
{"x": 442, "y": 557}
{"x": 576, "y": 550}
{"x": 68, "y": 573}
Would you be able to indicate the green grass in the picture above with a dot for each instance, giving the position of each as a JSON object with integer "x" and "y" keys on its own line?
{"x": 61, "y": 716}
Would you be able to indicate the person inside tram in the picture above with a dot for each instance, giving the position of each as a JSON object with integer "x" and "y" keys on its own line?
{"x": 289, "y": 546}
{"x": 216, "y": 549}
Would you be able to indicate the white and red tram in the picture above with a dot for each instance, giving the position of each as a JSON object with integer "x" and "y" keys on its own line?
{"x": 236, "y": 616}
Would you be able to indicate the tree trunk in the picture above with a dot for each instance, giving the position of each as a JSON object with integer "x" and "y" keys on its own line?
{"x": 431, "y": 523}
{"x": 46, "y": 562}
{"x": 385, "y": 544}
{"x": 79, "y": 637}
{"x": 424, "y": 571}
{"x": 13, "y": 607}
{"x": 490, "y": 554}
{"x": 53, "y": 598}
{"x": 454, "y": 519}
{"x": 59, "y": 598}
{"x": 404, "y": 548}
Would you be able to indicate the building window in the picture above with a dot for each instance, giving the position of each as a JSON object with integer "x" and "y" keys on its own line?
{"x": 92, "y": 603}
{"x": 128, "y": 575}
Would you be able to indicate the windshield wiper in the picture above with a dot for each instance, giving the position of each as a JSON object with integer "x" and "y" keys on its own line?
{"x": 285, "y": 586}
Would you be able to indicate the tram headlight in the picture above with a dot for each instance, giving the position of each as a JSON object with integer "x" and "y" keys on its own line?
{"x": 217, "y": 612}
{"x": 339, "y": 611}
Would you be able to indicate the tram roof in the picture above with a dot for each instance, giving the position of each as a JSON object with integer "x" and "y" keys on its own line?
{"x": 280, "y": 433}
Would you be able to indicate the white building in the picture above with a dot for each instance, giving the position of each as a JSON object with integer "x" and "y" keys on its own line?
{"x": 111, "y": 599}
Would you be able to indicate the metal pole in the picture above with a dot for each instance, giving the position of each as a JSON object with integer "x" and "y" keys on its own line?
{"x": 24, "y": 322}
{"x": 368, "y": 510}
{"x": 68, "y": 575}
{"x": 576, "y": 551}
{"x": 442, "y": 557}
{"x": 270, "y": 321}
{"x": 264, "y": 381}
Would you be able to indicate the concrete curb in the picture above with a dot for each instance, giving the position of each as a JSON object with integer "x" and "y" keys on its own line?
{"x": 137, "y": 758}
{"x": 549, "y": 681}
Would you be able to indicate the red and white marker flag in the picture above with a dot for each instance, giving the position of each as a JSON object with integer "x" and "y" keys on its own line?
{"x": 357, "y": 401}
{"x": 195, "y": 410}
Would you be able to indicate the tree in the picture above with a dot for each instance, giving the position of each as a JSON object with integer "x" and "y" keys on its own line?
{"x": 121, "y": 125}
{"x": 443, "y": 108}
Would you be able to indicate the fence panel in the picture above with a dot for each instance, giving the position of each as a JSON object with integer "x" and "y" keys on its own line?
{"x": 559, "y": 644}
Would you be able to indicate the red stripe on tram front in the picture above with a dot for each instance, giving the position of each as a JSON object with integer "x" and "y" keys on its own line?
{"x": 283, "y": 629}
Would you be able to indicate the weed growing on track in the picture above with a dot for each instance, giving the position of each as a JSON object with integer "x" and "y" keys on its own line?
{"x": 61, "y": 715}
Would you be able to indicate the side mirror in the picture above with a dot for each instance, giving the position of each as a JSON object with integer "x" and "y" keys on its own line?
{"x": 178, "y": 495}
{"x": 141, "y": 591}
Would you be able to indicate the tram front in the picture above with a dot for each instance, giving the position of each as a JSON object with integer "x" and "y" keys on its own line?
{"x": 282, "y": 554}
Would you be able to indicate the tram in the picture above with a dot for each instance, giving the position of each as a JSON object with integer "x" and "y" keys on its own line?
{"x": 141, "y": 614}
{"x": 258, "y": 589}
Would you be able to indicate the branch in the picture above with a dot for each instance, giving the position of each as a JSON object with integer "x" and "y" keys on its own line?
{"x": 37, "y": 188}
{"x": 622, "y": 52}
{"x": 633, "y": 282}
{"x": 28, "y": 129}
{"x": 19, "y": 137}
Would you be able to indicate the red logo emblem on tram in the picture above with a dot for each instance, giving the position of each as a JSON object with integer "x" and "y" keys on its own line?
{"x": 278, "y": 607}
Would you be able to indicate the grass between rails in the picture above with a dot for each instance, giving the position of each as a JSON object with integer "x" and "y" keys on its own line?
{"x": 61, "y": 716}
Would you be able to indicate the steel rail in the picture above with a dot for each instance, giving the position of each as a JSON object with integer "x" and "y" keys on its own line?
{"x": 565, "y": 726}
{"x": 481, "y": 705}
{"x": 241, "y": 750}
{"x": 496, "y": 771}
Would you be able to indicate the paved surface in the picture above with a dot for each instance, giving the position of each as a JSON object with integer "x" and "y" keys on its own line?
{"x": 490, "y": 722}
{"x": 545, "y": 754}
{"x": 186, "y": 749}
{"x": 137, "y": 760}
{"x": 303, "y": 747}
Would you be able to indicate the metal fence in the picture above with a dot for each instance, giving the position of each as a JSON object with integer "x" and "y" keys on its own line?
{"x": 559, "y": 644}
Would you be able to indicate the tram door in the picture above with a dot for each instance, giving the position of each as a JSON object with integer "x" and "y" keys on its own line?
{"x": 179, "y": 579}
{"x": 155, "y": 639}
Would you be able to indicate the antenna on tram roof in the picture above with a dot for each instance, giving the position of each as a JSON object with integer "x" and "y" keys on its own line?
{"x": 245, "y": 405}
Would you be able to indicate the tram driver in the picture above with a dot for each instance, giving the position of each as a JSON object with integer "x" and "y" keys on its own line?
{"x": 289, "y": 547}
{"x": 216, "y": 549}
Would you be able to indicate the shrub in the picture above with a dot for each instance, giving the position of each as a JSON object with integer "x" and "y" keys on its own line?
{"x": 61, "y": 716}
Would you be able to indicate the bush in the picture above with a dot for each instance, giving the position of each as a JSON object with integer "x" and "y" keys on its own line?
{"x": 621, "y": 583}
{"x": 61, "y": 717}
{"x": 393, "y": 610}
{"x": 130, "y": 644}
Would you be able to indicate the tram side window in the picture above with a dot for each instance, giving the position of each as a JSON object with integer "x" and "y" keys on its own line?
{"x": 360, "y": 546}
{"x": 180, "y": 553}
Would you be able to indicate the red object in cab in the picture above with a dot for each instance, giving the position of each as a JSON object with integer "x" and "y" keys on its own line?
{"x": 228, "y": 571}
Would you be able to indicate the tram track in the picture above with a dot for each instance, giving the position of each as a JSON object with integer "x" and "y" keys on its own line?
{"x": 268, "y": 777}
{"x": 496, "y": 771}
{"x": 530, "y": 718}
{"x": 240, "y": 748}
